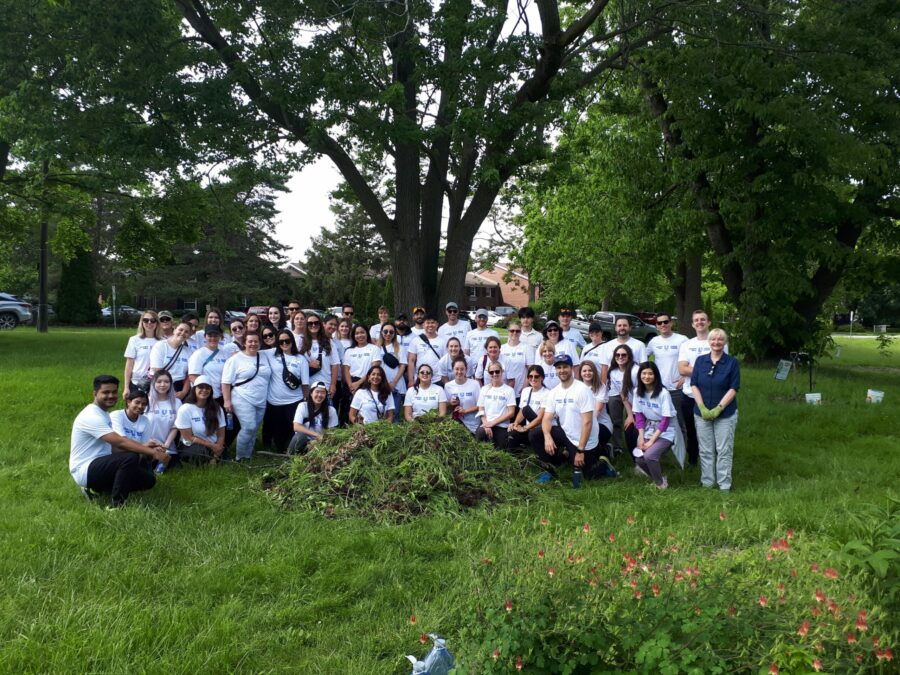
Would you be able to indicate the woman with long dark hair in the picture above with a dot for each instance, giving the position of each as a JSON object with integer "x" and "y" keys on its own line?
{"x": 374, "y": 402}
{"x": 462, "y": 393}
{"x": 590, "y": 375}
{"x": 622, "y": 377}
{"x": 496, "y": 405}
{"x": 275, "y": 317}
{"x": 359, "y": 358}
{"x": 531, "y": 414}
{"x": 655, "y": 418}
{"x": 320, "y": 356}
{"x": 393, "y": 361}
{"x": 288, "y": 386}
{"x": 447, "y": 364}
{"x": 137, "y": 353}
{"x": 312, "y": 418}
{"x": 201, "y": 423}
{"x": 162, "y": 407}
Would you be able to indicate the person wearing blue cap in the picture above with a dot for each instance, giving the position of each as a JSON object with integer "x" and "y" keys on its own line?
{"x": 571, "y": 404}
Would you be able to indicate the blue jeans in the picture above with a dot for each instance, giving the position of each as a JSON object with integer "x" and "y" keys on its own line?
{"x": 250, "y": 416}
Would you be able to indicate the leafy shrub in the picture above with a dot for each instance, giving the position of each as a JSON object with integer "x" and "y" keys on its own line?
{"x": 394, "y": 472}
{"x": 638, "y": 600}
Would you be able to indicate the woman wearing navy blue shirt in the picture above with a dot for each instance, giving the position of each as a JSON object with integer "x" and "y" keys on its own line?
{"x": 715, "y": 383}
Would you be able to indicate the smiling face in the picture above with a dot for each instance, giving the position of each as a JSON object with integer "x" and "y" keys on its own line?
{"x": 148, "y": 325}
{"x": 587, "y": 374}
{"x": 548, "y": 354}
{"x": 564, "y": 372}
{"x": 106, "y": 396}
{"x": 344, "y": 329}
{"x": 424, "y": 373}
{"x": 700, "y": 322}
{"x": 213, "y": 319}
{"x": 212, "y": 341}
{"x": 375, "y": 377}
{"x": 621, "y": 358}
{"x": 203, "y": 392}
{"x": 318, "y": 395}
{"x": 535, "y": 379}
{"x": 459, "y": 372}
{"x": 162, "y": 384}
{"x": 251, "y": 344}
{"x": 360, "y": 336}
{"x": 253, "y": 323}
{"x": 453, "y": 347}
{"x": 431, "y": 326}
{"x": 182, "y": 332}
{"x": 623, "y": 328}
{"x": 274, "y": 315}
{"x": 647, "y": 377}
{"x": 136, "y": 407}
{"x": 716, "y": 342}
{"x": 268, "y": 337}
{"x": 298, "y": 322}
{"x": 664, "y": 324}
{"x": 493, "y": 350}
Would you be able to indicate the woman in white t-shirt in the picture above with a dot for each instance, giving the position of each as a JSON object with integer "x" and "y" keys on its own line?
{"x": 496, "y": 406}
{"x": 621, "y": 380}
{"x": 553, "y": 335}
{"x": 448, "y": 361}
{"x": 591, "y": 377}
{"x": 320, "y": 355}
{"x": 531, "y": 413}
{"x": 655, "y": 418}
{"x": 374, "y": 402}
{"x": 210, "y": 359}
{"x": 424, "y": 396}
{"x": 359, "y": 358}
{"x": 491, "y": 355}
{"x": 462, "y": 394}
{"x": 131, "y": 422}
{"x": 213, "y": 318}
{"x": 547, "y": 353}
{"x": 137, "y": 353}
{"x": 312, "y": 418}
{"x": 393, "y": 361}
{"x": 517, "y": 356}
{"x": 172, "y": 355}
{"x": 298, "y": 328}
{"x": 201, "y": 423}
{"x": 245, "y": 386}
{"x": 161, "y": 411}
{"x": 288, "y": 386}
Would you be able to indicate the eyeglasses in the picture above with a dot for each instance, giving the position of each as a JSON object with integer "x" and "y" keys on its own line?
{"x": 237, "y": 329}
{"x": 621, "y": 355}
{"x": 553, "y": 330}
{"x": 165, "y": 319}
{"x": 712, "y": 370}
{"x": 663, "y": 322}
{"x": 387, "y": 332}
{"x": 534, "y": 376}
{"x": 348, "y": 313}
{"x": 284, "y": 342}
{"x": 293, "y": 309}
{"x": 424, "y": 372}
{"x": 148, "y": 319}
{"x": 513, "y": 330}
{"x": 494, "y": 372}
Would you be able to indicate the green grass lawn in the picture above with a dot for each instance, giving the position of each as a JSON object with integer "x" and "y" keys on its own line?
{"x": 205, "y": 574}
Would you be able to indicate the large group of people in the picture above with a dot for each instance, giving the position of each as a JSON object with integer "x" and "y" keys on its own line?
{"x": 284, "y": 379}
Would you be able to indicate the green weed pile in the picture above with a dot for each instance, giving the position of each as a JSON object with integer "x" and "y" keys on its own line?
{"x": 393, "y": 472}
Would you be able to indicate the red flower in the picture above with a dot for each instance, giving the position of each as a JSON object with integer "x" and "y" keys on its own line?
{"x": 634, "y": 583}
{"x": 875, "y": 640}
{"x": 781, "y": 588}
{"x": 412, "y": 619}
{"x": 861, "y": 625}
{"x": 830, "y": 573}
{"x": 423, "y": 638}
{"x": 858, "y": 658}
{"x": 541, "y": 553}
{"x": 630, "y": 520}
{"x": 731, "y": 611}
{"x": 773, "y": 669}
{"x": 508, "y": 606}
{"x": 693, "y": 583}
{"x": 790, "y": 533}
{"x": 612, "y": 536}
{"x": 551, "y": 572}
{"x": 817, "y": 665}
{"x": 815, "y": 611}
{"x": 544, "y": 521}
{"x": 496, "y": 654}
{"x": 820, "y": 596}
{"x": 804, "y": 629}
{"x": 793, "y": 573}
{"x": 679, "y": 576}
{"x": 722, "y": 515}
{"x": 485, "y": 561}
{"x": 655, "y": 590}
{"x": 586, "y": 528}
{"x": 637, "y": 595}
{"x": 814, "y": 567}
{"x": 769, "y": 555}
{"x": 519, "y": 664}
{"x": 884, "y": 654}
{"x": 763, "y": 601}
{"x": 819, "y": 647}
{"x": 851, "y": 638}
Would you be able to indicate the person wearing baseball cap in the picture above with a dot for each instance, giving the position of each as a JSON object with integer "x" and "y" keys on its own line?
{"x": 568, "y": 332}
{"x": 454, "y": 327}
{"x": 576, "y": 437}
{"x": 476, "y": 338}
{"x": 209, "y": 360}
{"x": 166, "y": 322}
{"x": 418, "y": 314}
{"x": 201, "y": 423}
{"x": 593, "y": 351}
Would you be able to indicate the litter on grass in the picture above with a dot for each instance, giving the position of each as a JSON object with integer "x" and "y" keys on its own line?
{"x": 394, "y": 472}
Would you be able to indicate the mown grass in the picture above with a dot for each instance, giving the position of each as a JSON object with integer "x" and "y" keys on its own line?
{"x": 206, "y": 574}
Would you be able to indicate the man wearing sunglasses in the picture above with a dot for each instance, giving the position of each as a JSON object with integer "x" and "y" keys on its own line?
{"x": 664, "y": 349}
{"x": 454, "y": 327}
{"x": 347, "y": 311}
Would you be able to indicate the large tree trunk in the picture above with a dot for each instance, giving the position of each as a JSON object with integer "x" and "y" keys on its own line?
{"x": 687, "y": 291}
{"x": 406, "y": 266}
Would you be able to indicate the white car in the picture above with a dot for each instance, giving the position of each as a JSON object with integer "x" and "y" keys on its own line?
{"x": 493, "y": 318}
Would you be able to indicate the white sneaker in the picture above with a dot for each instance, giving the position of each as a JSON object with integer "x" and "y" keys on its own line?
{"x": 664, "y": 485}
{"x": 638, "y": 471}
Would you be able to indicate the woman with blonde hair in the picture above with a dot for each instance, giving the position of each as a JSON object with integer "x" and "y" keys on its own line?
{"x": 137, "y": 353}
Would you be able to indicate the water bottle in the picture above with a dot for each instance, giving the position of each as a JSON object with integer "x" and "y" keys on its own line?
{"x": 229, "y": 421}
{"x": 439, "y": 661}
{"x": 160, "y": 468}
{"x": 577, "y": 478}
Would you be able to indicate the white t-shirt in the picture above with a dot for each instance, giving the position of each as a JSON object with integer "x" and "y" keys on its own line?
{"x": 568, "y": 347}
{"x": 161, "y": 419}
{"x": 375, "y": 332}
{"x": 279, "y": 392}
{"x": 202, "y": 362}
{"x": 573, "y": 335}
{"x": 654, "y": 409}
{"x": 602, "y": 396}
{"x": 638, "y": 350}
{"x": 594, "y": 354}
{"x": 391, "y": 373}
{"x": 416, "y": 331}
{"x": 475, "y": 340}
{"x": 532, "y": 338}
{"x": 326, "y": 360}
{"x": 191, "y": 417}
{"x": 136, "y": 431}
{"x": 484, "y": 362}
{"x": 446, "y": 366}
{"x": 425, "y": 354}
{"x": 616, "y": 379}
{"x": 537, "y": 398}
{"x": 665, "y": 355}
{"x": 369, "y": 406}
{"x": 689, "y": 351}
{"x": 89, "y": 427}
{"x": 360, "y": 359}
{"x": 568, "y": 405}
{"x": 138, "y": 348}
{"x": 241, "y": 367}
{"x": 459, "y": 331}
{"x": 550, "y": 378}
{"x": 228, "y": 348}
{"x": 406, "y": 340}
{"x": 518, "y": 359}
{"x": 422, "y": 400}
{"x": 467, "y": 393}
{"x": 495, "y": 401}
{"x": 314, "y": 424}
{"x": 161, "y": 354}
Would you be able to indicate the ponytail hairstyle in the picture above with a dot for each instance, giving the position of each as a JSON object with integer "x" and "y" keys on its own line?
{"x": 657, "y": 380}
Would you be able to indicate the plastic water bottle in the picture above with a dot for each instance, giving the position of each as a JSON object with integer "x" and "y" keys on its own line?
{"x": 439, "y": 661}
{"x": 577, "y": 478}
{"x": 160, "y": 468}
{"x": 229, "y": 421}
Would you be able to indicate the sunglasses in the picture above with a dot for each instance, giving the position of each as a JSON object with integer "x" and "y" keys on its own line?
{"x": 534, "y": 376}
{"x": 165, "y": 319}
{"x": 424, "y": 372}
{"x": 553, "y": 330}
{"x": 313, "y": 323}
{"x": 513, "y": 330}
{"x": 663, "y": 322}
{"x": 348, "y": 313}
{"x": 494, "y": 372}
{"x": 293, "y": 309}
{"x": 621, "y": 355}
{"x": 268, "y": 336}
{"x": 284, "y": 342}
{"x": 452, "y": 311}
{"x": 148, "y": 320}
{"x": 237, "y": 329}
{"x": 387, "y": 332}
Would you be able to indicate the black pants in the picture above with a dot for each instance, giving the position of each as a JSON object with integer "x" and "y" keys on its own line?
{"x": 120, "y": 473}
{"x": 687, "y": 414}
{"x": 230, "y": 434}
{"x": 517, "y": 439}
{"x": 550, "y": 462}
{"x": 499, "y": 440}
{"x": 278, "y": 425}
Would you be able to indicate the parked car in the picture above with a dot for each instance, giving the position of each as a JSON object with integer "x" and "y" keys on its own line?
{"x": 505, "y": 311}
{"x": 318, "y": 312}
{"x": 259, "y": 310}
{"x": 123, "y": 313}
{"x": 639, "y": 330}
{"x": 233, "y": 315}
{"x": 467, "y": 316}
{"x": 647, "y": 317}
{"x": 493, "y": 318}
{"x": 13, "y": 311}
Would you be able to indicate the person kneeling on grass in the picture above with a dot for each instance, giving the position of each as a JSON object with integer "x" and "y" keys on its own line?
{"x": 572, "y": 404}
{"x": 101, "y": 460}
{"x": 312, "y": 418}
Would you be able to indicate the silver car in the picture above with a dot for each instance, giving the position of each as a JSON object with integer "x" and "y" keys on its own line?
{"x": 13, "y": 311}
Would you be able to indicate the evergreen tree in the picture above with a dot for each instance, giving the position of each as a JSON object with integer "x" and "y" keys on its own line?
{"x": 77, "y": 299}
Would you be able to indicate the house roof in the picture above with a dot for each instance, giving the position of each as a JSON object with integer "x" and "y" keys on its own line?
{"x": 506, "y": 268}
{"x": 474, "y": 279}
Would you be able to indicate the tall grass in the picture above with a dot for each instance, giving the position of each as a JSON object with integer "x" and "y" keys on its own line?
{"x": 206, "y": 574}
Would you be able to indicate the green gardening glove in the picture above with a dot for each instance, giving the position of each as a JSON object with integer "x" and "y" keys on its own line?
{"x": 704, "y": 411}
{"x": 715, "y": 412}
